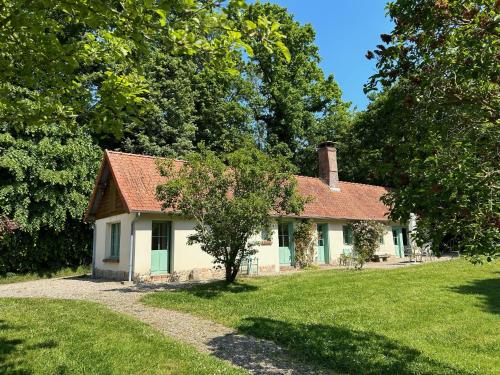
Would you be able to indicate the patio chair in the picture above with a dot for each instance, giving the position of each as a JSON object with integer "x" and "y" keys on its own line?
{"x": 409, "y": 253}
{"x": 346, "y": 258}
{"x": 249, "y": 266}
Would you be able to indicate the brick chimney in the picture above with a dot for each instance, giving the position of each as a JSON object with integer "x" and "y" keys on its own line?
{"x": 328, "y": 171}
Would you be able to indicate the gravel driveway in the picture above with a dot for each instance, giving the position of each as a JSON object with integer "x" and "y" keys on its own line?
{"x": 256, "y": 355}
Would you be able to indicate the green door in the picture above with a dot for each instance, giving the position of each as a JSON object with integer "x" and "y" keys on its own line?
{"x": 323, "y": 255}
{"x": 285, "y": 242}
{"x": 160, "y": 247}
{"x": 397, "y": 237}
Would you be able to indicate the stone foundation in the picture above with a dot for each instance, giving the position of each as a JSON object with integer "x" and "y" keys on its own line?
{"x": 110, "y": 275}
{"x": 196, "y": 274}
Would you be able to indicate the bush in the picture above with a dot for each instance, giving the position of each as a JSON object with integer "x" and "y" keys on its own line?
{"x": 366, "y": 240}
{"x": 47, "y": 251}
{"x": 305, "y": 236}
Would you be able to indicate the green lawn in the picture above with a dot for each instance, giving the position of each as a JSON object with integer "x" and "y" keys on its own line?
{"x": 439, "y": 318}
{"x": 14, "y": 278}
{"x": 73, "y": 337}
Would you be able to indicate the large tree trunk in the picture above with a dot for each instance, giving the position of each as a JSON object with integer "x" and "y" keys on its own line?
{"x": 231, "y": 272}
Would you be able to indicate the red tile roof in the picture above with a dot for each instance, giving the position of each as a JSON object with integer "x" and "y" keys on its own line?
{"x": 137, "y": 177}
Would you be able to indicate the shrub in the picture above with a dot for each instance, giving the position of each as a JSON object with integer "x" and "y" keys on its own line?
{"x": 305, "y": 236}
{"x": 366, "y": 240}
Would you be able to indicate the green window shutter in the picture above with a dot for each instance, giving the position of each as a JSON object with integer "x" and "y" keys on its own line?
{"x": 115, "y": 240}
{"x": 381, "y": 239}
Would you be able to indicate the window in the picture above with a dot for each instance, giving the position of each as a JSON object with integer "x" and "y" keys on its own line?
{"x": 265, "y": 235}
{"x": 321, "y": 238}
{"x": 395, "y": 237}
{"x": 347, "y": 230}
{"x": 160, "y": 239}
{"x": 405, "y": 236}
{"x": 115, "y": 241}
{"x": 381, "y": 239}
{"x": 283, "y": 235}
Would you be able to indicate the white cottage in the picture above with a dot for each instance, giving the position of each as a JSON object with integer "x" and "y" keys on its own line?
{"x": 134, "y": 239}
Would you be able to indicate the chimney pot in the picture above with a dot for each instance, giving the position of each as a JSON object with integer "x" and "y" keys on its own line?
{"x": 328, "y": 171}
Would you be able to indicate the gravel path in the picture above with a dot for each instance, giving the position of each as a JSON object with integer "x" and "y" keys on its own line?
{"x": 255, "y": 355}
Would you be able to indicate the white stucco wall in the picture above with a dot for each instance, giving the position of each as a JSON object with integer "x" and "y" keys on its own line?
{"x": 184, "y": 257}
{"x": 336, "y": 240}
{"x": 103, "y": 240}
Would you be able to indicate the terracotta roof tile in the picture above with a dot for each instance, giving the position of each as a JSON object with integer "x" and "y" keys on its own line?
{"x": 137, "y": 177}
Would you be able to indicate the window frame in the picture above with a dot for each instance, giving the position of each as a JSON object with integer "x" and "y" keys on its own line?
{"x": 168, "y": 234}
{"x": 347, "y": 235}
{"x": 114, "y": 243}
{"x": 283, "y": 236}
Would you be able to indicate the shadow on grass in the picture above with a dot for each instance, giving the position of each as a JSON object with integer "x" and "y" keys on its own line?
{"x": 215, "y": 289}
{"x": 487, "y": 289}
{"x": 12, "y": 352}
{"x": 345, "y": 351}
{"x": 7, "y": 348}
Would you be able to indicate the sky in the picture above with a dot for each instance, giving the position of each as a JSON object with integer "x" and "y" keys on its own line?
{"x": 345, "y": 30}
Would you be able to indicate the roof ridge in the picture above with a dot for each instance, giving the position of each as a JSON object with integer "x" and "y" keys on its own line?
{"x": 142, "y": 155}
{"x": 363, "y": 184}
{"x": 184, "y": 161}
{"x": 343, "y": 182}
{"x": 309, "y": 177}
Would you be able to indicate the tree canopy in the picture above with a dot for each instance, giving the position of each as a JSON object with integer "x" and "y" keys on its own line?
{"x": 437, "y": 121}
{"x": 231, "y": 197}
{"x": 77, "y": 76}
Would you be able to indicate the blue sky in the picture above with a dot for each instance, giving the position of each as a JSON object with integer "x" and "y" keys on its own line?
{"x": 345, "y": 30}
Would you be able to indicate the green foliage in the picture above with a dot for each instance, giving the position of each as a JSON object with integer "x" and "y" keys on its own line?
{"x": 305, "y": 237}
{"x": 47, "y": 250}
{"x": 73, "y": 61}
{"x": 231, "y": 198}
{"x": 293, "y": 102}
{"x": 366, "y": 239}
{"x": 46, "y": 174}
{"x": 437, "y": 122}
{"x": 77, "y": 75}
{"x": 354, "y": 322}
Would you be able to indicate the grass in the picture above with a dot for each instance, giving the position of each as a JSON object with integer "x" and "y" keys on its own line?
{"x": 74, "y": 337}
{"x": 439, "y": 318}
{"x": 17, "y": 278}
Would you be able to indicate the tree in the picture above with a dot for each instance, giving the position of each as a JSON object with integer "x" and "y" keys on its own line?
{"x": 231, "y": 198}
{"x": 72, "y": 77}
{"x": 81, "y": 62}
{"x": 367, "y": 152}
{"x": 46, "y": 177}
{"x": 442, "y": 56}
{"x": 167, "y": 124}
{"x": 294, "y": 103}
{"x": 366, "y": 239}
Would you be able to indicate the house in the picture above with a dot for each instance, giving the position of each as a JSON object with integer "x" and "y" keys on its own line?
{"x": 133, "y": 236}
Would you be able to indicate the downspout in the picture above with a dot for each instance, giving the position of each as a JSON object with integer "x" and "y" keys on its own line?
{"x": 131, "y": 254}
{"x": 93, "y": 249}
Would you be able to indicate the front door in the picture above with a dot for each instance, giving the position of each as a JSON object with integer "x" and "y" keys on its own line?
{"x": 397, "y": 237}
{"x": 285, "y": 242}
{"x": 160, "y": 249}
{"x": 323, "y": 255}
